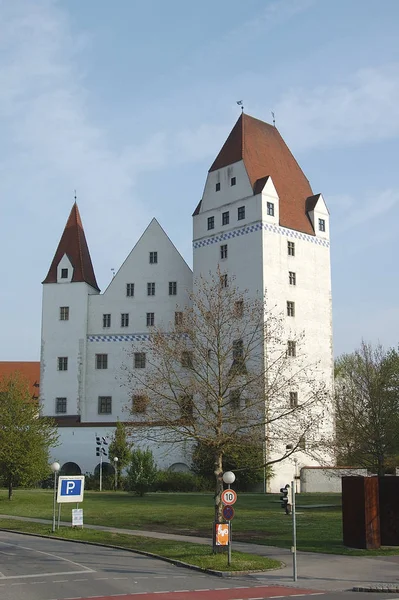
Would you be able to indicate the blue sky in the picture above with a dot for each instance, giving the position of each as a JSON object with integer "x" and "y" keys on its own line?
{"x": 129, "y": 103}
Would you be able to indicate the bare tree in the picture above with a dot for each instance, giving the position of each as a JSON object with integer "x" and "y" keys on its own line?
{"x": 225, "y": 371}
{"x": 367, "y": 407}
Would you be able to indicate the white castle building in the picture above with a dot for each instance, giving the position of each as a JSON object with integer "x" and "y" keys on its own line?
{"x": 258, "y": 205}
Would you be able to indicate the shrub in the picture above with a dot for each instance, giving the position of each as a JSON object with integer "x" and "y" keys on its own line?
{"x": 174, "y": 481}
{"x": 142, "y": 472}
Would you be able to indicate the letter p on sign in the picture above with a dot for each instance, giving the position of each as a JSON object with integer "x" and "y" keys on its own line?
{"x": 70, "y": 486}
{"x": 70, "y": 489}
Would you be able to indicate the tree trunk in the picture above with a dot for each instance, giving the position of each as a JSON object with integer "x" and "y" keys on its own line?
{"x": 10, "y": 488}
{"x": 218, "y": 486}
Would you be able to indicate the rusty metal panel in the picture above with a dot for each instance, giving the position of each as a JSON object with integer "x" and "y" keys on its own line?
{"x": 360, "y": 512}
{"x": 389, "y": 510}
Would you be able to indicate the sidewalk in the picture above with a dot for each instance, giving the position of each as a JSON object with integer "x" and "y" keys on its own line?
{"x": 321, "y": 572}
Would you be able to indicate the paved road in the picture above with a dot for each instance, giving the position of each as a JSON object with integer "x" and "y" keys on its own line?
{"x": 43, "y": 569}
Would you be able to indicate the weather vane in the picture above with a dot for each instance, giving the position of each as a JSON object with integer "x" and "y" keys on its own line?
{"x": 75, "y": 196}
{"x": 274, "y": 120}
{"x": 240, "y": 103}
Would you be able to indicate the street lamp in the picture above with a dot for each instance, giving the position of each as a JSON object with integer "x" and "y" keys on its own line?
{"x": 55, "y": 467}
{"x": 116, "y": 471}
{"x": 229, "y": 477}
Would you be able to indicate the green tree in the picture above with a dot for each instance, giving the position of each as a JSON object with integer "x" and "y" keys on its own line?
{"x": 240, "y": 458}
{"x": 25, "y": 437}
{"x": 142, "y": 472}
{"x": 121, "y": 448}
{"x": 367, "y": 407}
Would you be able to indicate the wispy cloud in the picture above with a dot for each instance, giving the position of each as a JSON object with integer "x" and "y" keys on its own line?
{"x": 360, "y": 109}
{"x": 351, "y": 211}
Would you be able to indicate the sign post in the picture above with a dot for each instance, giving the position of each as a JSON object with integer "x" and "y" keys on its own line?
{"x": 229, "y": 497}
{"x": 294, "y": 569}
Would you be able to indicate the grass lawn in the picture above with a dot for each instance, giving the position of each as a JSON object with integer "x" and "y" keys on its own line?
{"x": 259, "y": 517}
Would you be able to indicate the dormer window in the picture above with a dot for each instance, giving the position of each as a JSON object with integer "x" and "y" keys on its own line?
{"x": 64, "y": 273}
{"x": 322, "y": 225}
{"x": 218, "y": 186}
{"x": 233, "y": 181}
{"x": 270, "y": 209}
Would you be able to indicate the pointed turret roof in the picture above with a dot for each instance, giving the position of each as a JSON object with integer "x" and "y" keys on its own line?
{"x": 73, "y": 244}
{"x": 265, "y": 153}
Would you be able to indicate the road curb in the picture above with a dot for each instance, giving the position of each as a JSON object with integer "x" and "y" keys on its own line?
{"x": 387, "y": 588}
{"x": 172, "y": 561}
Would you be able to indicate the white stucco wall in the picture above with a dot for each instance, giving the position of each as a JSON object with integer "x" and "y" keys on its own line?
{"x": 316, "y": 479}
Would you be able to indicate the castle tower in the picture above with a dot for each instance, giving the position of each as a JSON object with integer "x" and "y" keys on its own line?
{"x": 258, "y": 220}
{"x": 66, "y": 289}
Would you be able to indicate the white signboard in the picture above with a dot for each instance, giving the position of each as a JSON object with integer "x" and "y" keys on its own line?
{"x": 70, "y": 488}
{"x": 77, "y": 517}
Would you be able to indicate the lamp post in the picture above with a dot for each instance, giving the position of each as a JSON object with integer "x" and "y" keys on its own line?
{"x": 116, "y": 471}
{"x": 229, "y": 478}
{"x": 55, "y": 467}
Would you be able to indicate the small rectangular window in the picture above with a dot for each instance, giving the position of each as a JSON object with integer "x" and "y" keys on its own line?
{"x": 292, "y": 277}
{"x": 290, "y": 308}
{"x": 60, "y": 405}
{"x": 291, "y": 349}
{"x": 293, "y": 399}
{"x": 322, "y": 225}
{"x": 172, "y": 288}
{"x": 187, "y": 359}
{"x": 223, "y": 251}
{"x": 140, "y": 403}
{"x": 125, "y": 320}
{"x": 101, "y": 361}
{"x": 64, "y": 313}
{"x": 187, "y": 408}
{"x": 104, "y": 405}
{"x": 107, "y": 320}
{"x": 235, "y": 400}
{"x": 139, "y": 360}
{"x": 130, "y": 290}
{"x": 233, "y": 181}
{"x": 270, "y": 209}
{"x": 150, "y": 319}
{"x": 64, "y": 273}
{"x": 224, "y": 281}
{"x": 153, "y": 258}
{"x": 241, "y": 213}
{"x": 151, "y": 289}
{"x": 178, "y": 318}
{"x": 63, "y": 363}
{"x": 239, "y": 308}
{"x": 211, "y": 223}
{"x": 218, "y": 186}
{"x": 291, "y": 248}
{"x": 225, "y": 218}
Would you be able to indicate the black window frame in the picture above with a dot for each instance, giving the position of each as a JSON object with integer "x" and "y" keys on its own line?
{"x": 64, "y": 313}
{"x": 139, "y": 360}
{"x": 291, "y": 248}
{"x": 217, "y": 186}
{"x": 101, "y": 361}
{"x": 60, "y": 406}
{"x": 151, "y": 288}
{"x": 62, "y": 363}
{"x": 105, "y": 405}
{"x": 226, "y": 218}
{"x": 270, "y": 209}
{"x": 211, "y": 223}
{"x": 292, "y": 277}
{"x": 64, "y": 273}
{"x": 150, "y": 319}
{"x": 240, "y": 213}
{"x": 106, "y": 320}
{"x": 223, "y": 251}
{"x": 124, "y": 319}
{"x": 153, "y": 257}
{"x": 130, "y": 290}
{"x": 172, "y": 288}
{"x": 322, "y": 225}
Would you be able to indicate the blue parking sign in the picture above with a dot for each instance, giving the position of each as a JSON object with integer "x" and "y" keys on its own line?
{"x": 70, "y": 489}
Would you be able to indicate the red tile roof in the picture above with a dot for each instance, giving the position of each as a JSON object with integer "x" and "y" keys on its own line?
{"x": 73, "y": 244}
{"x": 265, "y": 153}
{"x": 28, "y": 370}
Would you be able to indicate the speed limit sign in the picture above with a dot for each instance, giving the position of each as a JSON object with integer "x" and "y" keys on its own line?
{"x": 229, "y": 497}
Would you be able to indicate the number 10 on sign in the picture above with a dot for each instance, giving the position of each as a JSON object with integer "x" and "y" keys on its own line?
{"x": 229, "y": 497}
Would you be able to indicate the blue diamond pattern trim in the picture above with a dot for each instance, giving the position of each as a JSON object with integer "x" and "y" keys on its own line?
{"x": 133, "y": 337}
{"x": 257, "y": 227}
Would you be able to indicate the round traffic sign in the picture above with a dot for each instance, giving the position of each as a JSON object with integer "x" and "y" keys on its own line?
{"x": 229, "y": 497}
{"x": 228, "y": 512}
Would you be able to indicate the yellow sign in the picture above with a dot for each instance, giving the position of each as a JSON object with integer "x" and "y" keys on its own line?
{"x": 222, "y": 534}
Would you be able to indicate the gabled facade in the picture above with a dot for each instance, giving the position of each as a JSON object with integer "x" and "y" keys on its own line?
{"x": 259, "y": 206}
